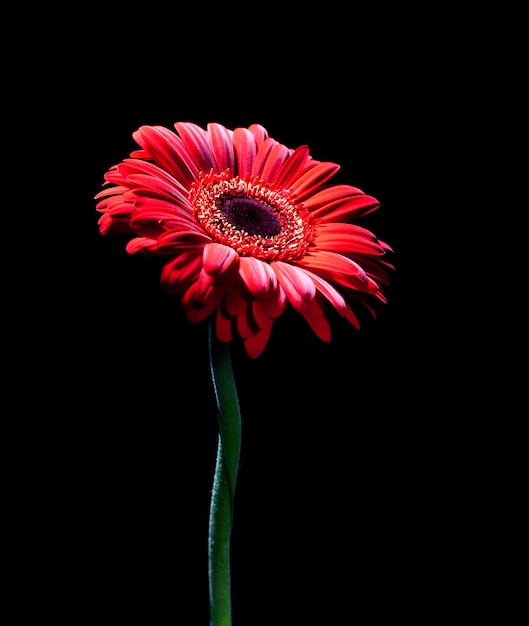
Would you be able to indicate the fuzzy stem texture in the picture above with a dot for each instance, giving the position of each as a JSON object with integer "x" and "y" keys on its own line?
{"x": 224, "y": 481}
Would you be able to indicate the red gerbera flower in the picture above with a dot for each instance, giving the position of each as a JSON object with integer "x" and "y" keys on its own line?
{"x": 249, "y": 227}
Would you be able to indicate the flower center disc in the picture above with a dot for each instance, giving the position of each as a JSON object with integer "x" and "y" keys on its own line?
{"x": 251, "y": 217}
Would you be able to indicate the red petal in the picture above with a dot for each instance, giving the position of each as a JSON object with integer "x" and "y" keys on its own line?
{"x": 259, "y": 132}
{"x": 117, "y": 210}
{"x": 150, "y": 174}
{"x": 174, "y": 239}
{"x": 262, "y": 154}
{"x": 204, "y": 288}
{"x": 110, "y": 191}
{"x": 109, "y": 226}
{"x": 158, "y": 188}
{"x": 196, "y": 140}
{"x": 331, "y": 194}
{"x": 255, "y": 344}
{"x": 181, "y": 271}
{"x": 315, "y": 316}
{"x": 208, "y": 289}
{"x": 245, "y": 328}
{"x": 312, "y": 179}
{"x": 302, "y": 294}
{"x": 377, "y": 269}
{"x": 292, "y": 167}
{"x": 219, "y": 259}
{"x": 223, "y": 326}
{"x": 115, "y": 177}
{"x": 347, "y": 240}
{"x": 245, "y": 150}
{"x": 333, "y": 263}
{"x": 195, "y": 311}
{"x": 338, "y": 269}
{"x": 257, "y": 276}
{"x": 275, "y": 302}
{"x": 141, "y": 245}
{"x": 274, "y": 160}
{"x": 234, "y": 301}
{"x": 222, "y": 146}
{"x": 345, "y": 209}
{"x": 260, "y": 315}
{"x": 165, "y": 148}
{"x": 166, "y": 208}
{"x": 334, "y": 297}
{"x": 298, "y": 287}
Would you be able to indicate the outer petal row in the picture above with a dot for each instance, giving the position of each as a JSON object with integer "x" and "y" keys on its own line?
{"x": 148, "y": 194}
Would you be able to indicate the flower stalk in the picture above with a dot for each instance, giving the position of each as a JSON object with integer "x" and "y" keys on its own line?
{"x": 224, "y": 481}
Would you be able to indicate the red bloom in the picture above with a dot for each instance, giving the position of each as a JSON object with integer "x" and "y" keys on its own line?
{"x": 249, "y": 226}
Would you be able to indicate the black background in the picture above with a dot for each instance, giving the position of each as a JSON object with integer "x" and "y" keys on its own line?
{"x": 354, "y": 484}
{"x": 337, "y": 462}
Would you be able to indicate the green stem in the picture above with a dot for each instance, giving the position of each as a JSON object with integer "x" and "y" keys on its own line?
{"x": 224, "y": 481}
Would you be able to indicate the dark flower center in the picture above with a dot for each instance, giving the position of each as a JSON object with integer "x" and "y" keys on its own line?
{"x": 251, "y": 216}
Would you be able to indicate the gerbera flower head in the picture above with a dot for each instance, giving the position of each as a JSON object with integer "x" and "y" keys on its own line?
{"x": 248, "y": 226}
